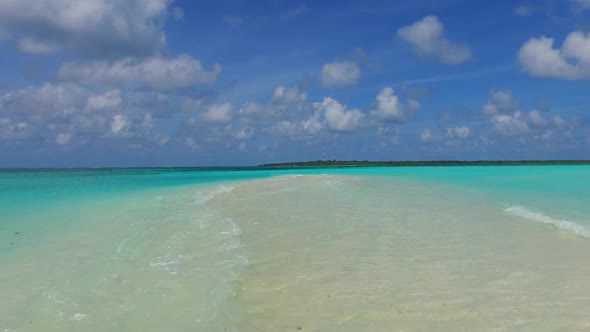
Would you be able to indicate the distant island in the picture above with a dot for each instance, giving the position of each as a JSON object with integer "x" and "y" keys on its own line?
{"x": 366, "y": 163}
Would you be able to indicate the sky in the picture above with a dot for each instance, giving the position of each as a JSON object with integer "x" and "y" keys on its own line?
{"x": 97, "y": 83}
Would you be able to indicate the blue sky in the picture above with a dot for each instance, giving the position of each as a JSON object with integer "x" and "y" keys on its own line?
{"x": 166, "y": 83}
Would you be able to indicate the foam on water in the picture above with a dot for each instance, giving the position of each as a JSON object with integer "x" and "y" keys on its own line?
{"x": 204, "y": 197}
{"x": 560, "y": 224}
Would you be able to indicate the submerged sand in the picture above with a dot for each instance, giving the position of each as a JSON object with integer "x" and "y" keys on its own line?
{"x": 333, "y": 253}
{"x": 295, "y": 253}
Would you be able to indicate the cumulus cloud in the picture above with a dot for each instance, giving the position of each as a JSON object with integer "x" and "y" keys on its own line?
{"x": 288, "y": 95}
{"x": 501, "y": 101}
{"x": 331, "y": 114}
{"x": 462, "y": 132}
{"x": 111, "y": 27}
{"x": 138, "y": 129}
{"x": 251, "y": 108}
{"x": 30, "y": 45}
{"x": 299, "y": 129}
{"x": 538, "y": 57}
{"x": 326, "y": 114}
{"x": 111, "y": 99}
{"x": 155, "y": 72}
{"x": 427, "y": 37}
{"x": 287, "y": 128}
{"x": 191, "y": 143}
{"x": 508, "y": 119}
{"x": 313, "y": 124}
{"x": 119, "y": 124}
{"x": 426, "y": 135}
{"x": 339, "y": 74}
{"x": 286, "y": 103}
{"x": 389, "y": 107}
{"x": 217, "y": 114}
{"x": 338, "y": 117}
{"x": 448, "y": 136}
{"x": 41, "y": 102}
{"x": 510, "y": 125}
{"x": 56, "y": 113}
{"x": 63, "y": 138}
{"x": 11, "y": 131}
{"x": 536, "y": 119}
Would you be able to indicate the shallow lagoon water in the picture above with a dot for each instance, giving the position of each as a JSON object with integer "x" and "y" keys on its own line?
{"x": 379, "y": 249}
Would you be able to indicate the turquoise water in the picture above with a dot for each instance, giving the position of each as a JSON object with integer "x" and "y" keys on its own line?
{"x": 248, "y": 249}
{"x": 570, "y": 185}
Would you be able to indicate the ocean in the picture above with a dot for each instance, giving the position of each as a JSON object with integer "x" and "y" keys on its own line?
{"x": 344, "y": 249}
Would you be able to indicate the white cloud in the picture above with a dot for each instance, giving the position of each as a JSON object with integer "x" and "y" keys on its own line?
{"x": 426, "y": 135}
{"x": 55, "y": 113}
{"x": 313, "y": 124}
{"x": 510, "y": 125}
{"x": 286, "y": 128}
{"x": 45, "y": 101}
{"x": 217, "y": 114}
{"x": 156, "y": 72}
{"x": 507, "y": 118}
{"x": 341, "y": 73}
{"x": 338, "y": 117}
{"x": 148, "y": 122}
{"x": 300, "y": 129}
{"x": 232, "y": 21}
{"x": 119, "y": 124}
{"x": 30, "y": 45}
{"x": 117, "y": 27}
{"x": 288, "y": 95}
{"x": 501, "y": 101}
{"x": 428, "y": 40}
{"x": 539, "y": 58}
{"x": 63, "y": 138}
{"x": 329, "y": 113}
{"x": 462, "y": 132}
{"x": 389, "y": 107}
{"x": 448, "y": 136}
{"x": 111, "y": 99}
{"x": 251, "y": 108}
{"x": 536, "y": 119}
{"x": 191, "y": 142}
{"x": 11, "y": 131}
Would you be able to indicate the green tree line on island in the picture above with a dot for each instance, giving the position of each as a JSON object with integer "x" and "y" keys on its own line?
{"x": 367, "y": 163}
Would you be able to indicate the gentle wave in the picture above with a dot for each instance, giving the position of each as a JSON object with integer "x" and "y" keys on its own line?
{"x": 204, "y": 197}
{"x": 231, "y": 259}
{"x": 560, "y": 224}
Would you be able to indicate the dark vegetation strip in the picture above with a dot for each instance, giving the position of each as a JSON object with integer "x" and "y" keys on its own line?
{"x": 366, "y": 163}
